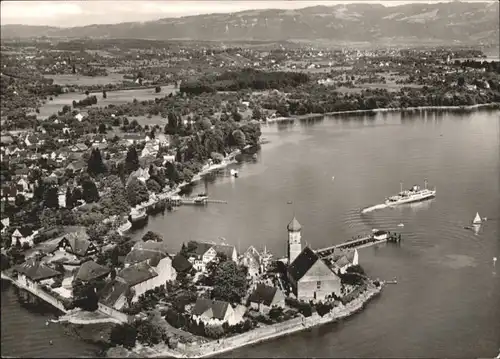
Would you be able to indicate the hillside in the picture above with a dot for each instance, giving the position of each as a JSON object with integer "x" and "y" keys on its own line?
{"x": 441, "y": 23}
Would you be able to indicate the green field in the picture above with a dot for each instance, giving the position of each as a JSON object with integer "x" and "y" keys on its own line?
{"x": 70, "y": 79}
{"x": 113, "y": 97}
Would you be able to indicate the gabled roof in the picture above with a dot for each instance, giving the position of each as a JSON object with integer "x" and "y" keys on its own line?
{"x": 137, "y": 273}
{"x": 343, "y": 261}
{"x": 181, "y": 264}
{"x": 210, "y": 308}
{"x": 224, "y": 249}
{"x": 202, "y": 248}
{"x": 79, "y": 242}
{"x": 149, "y": 250}
{"x": 91, "y": 270}
{"x": 111, "y": 292}
{"x": 35, "y": 270}
{"x": 304, "y": 261}
{"x": 25, "y": 231}
{"x": 294, "y": 225}
{"x": 252, "y": 253}
{"x": 263, "y": 294}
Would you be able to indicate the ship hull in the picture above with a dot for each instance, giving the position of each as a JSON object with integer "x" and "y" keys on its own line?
{"x": 412, "y": 199}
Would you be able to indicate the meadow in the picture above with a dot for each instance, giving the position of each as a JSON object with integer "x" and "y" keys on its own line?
{"x": 113, "y": 97}
{"x": 75, "y": 79}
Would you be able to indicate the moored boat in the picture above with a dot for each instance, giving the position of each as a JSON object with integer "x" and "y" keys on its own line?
{"x": 138, "y": 218}
{"x": 414, "y": 194}
{"x": 234, "y": 173}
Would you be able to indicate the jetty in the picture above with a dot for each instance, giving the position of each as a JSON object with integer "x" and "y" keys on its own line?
{"x": 358, "y": 243}
{"x": 197, "y": 201}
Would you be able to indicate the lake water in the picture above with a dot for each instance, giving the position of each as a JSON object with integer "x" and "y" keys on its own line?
{"x": 447, "y": 300}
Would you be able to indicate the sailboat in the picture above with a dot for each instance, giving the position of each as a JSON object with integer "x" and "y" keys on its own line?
{"x": 477, "y": 219}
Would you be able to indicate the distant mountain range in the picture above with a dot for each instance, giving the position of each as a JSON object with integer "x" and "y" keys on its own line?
{"x": 459, "y": 22}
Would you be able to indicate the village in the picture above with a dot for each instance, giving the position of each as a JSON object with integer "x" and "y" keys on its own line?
{"x": 83, "y": 163}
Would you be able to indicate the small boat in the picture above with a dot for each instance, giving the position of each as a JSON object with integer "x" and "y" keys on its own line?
{"x": 234, "y": 173}
{"x": 477, "y": 219}
{"x": 401, "y": 225}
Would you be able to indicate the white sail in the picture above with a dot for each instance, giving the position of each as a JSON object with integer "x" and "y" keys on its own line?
{"x": 477, "y": 219}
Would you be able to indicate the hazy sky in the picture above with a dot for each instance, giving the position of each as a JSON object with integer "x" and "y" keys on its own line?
{"x": 80, "y": 13}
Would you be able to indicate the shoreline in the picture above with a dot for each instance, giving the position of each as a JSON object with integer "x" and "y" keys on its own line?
{"x": 251, "y": 337}
{"x": 493, "y": 105}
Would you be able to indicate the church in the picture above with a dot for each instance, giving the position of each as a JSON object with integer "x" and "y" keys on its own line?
{"x": 310, "y": 277}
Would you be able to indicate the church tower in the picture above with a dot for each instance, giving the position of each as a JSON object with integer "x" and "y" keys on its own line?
{"x": 294, "y": 240}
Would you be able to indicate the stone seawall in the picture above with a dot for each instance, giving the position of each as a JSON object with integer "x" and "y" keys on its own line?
{"x": 261, "y": 334}
{"x": 36, "y": 291}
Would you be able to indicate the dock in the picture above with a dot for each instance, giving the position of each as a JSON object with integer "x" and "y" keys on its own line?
{"x": 197, "y": 201}
{"x": 358, "y": 243}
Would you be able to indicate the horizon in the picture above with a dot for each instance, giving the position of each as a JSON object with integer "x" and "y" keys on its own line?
{"x": 85, "y": 13}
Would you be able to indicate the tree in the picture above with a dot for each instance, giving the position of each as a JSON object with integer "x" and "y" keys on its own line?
{"x": 132, "y": 160}
{"x": 461, "y": 81}
{"x": 153, "y": 185}
{"x": 115, "y": 202}
{"x": 104, "y": 94}
{"x": 256, "y": 114}
{"x": 69, "y": 199}
{"x": 85, "y": 296}
{"x": 137, "y": 192}
{"x": 157, "y": 89}
{"x": 149, "y": 333}
{"x": 87, "y": 93}
{"x": 51, "y": 197}
{"x": 239, "y": 138}
{"x": 19, "y": 201}
{"x": 95, "y": 165}
{"x": 152, "y": 236}
{"x": 123, "y": 334}
{"x": 102, "y": 128}
{"x": 230, "y": 282}
{"x": 90, "y": 193}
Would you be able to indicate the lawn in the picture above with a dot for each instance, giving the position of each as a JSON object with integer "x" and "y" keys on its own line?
{"x": 113, "y": 97}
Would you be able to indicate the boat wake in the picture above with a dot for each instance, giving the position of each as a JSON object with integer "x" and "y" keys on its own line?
{"x": 373, "y": 208}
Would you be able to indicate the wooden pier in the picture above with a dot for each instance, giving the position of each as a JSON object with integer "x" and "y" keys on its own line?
{"x": 358, "y": 243}
{"x": 197, "y": 201}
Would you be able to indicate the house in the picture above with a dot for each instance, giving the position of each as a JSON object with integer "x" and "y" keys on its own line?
{"x": 155, "y": 255}
{"x": 23, "y": 235}
{"x": 32, "y": 272}
{"x": 77, "y": 243}
{"x": 79, "y": 117}
{"x": 204, "y": 252}
{"x": 79, "y": 147}
{"x": 22, "y": 185}
{"x": 142, "y": 277}
{"x": 33, "y": 140}
{"x": 90, "y": 270}
{"x": 227, "y": 250}
{"x": 264, "y": 297}
{"x": 5, "y": 222}
{"x": 201, "y": 255}
{"x": 215, "y": 312}
{"x": 311, "y": 278}
{"x": 6, "y": 140}
{"x": 150, "y": 150}
{"x": 113, "y": 298}
{"x": 253, "y": 261}
{"x": 133, "y": 138}
{"x": 181, "y": 264}
{"x": 76, "y": 166}
{"x": 342, "y": 259}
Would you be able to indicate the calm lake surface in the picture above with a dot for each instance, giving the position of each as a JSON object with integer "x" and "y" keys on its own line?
{"x": 447, "y": 300}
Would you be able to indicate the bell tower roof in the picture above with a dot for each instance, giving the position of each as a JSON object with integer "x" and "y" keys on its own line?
{"x": 294, "y": 225}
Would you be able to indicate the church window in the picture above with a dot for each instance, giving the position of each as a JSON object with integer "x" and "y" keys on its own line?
{"x": 318, "y": 284}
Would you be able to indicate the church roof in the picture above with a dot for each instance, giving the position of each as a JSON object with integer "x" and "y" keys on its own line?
{"x": 294, "y": 225}
{"x": 301, "y": 265}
